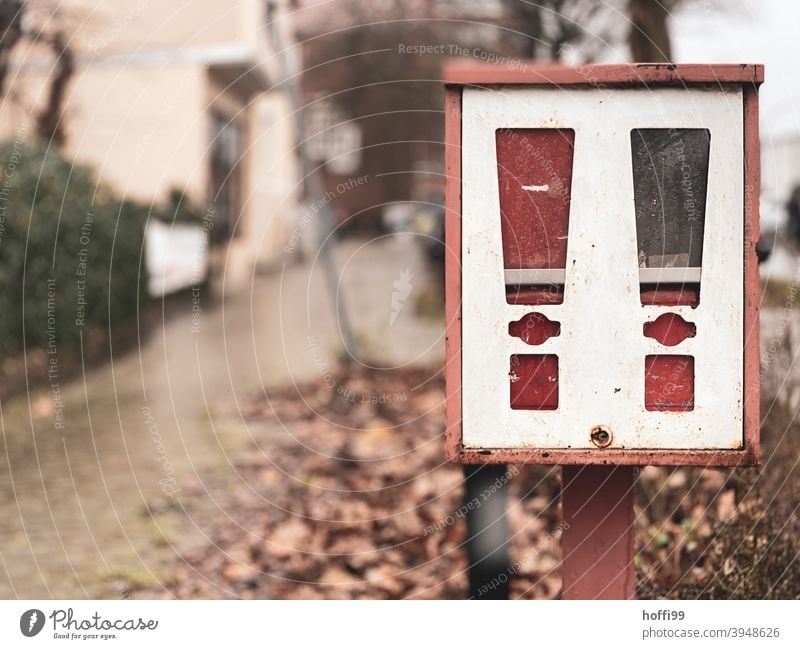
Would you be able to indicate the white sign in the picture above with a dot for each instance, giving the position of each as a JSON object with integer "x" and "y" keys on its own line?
{"x": 176, "y": 256}
{"x": 601, "y": 350}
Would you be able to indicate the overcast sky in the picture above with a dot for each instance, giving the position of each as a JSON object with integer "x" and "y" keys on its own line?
{"x": 751, "y": 31}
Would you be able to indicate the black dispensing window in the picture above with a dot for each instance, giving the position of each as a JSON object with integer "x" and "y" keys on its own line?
{"x": 670, "y": 175}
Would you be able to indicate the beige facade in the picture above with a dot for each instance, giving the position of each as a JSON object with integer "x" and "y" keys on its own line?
{"x": 153, "y": 85}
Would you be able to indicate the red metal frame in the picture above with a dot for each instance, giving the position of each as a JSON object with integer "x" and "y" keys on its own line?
{"x": 647, "y": 75}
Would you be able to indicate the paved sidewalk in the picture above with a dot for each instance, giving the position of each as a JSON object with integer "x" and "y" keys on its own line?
{"x": 91, "y": 505}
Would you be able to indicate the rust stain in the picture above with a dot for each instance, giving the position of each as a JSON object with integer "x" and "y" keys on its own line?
{"x": 601, "y": 436}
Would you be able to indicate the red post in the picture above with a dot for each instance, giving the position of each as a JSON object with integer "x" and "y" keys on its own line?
{"x": 598, "y": 535}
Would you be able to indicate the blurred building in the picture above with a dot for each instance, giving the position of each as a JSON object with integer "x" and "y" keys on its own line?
{"x": 780, "y": 175}
{"x": 171, "y": 95}
{"x": 372, "y": 87}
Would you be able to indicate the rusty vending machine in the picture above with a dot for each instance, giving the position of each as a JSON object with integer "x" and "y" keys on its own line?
{"x": 601, "y": 282}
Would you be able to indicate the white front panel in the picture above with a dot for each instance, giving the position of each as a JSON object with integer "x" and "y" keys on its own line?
{"x": 601, "y": 349}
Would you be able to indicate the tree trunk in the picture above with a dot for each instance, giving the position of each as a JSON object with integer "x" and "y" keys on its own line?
{"x": 50, "y": 121}
{"x": 649, "y": 36}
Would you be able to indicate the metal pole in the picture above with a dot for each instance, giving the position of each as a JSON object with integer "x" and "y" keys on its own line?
{"x": 313, "y": 184}
{"x": 598, "y": 535}
{"x": 487, "y": 531}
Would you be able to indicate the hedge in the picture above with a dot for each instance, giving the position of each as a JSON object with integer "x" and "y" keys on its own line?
{"x": 70, "y": 251}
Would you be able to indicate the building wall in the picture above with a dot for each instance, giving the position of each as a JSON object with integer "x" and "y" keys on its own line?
{"x": 275, "y": 180}
{"x": 138, "y": 105}
{"x": 104, "y": 26}
{"x": 139, "y": 127}
{"x": 143, "y": 128}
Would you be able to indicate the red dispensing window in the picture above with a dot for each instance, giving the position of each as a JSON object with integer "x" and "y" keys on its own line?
{"x": 534, "y": 168}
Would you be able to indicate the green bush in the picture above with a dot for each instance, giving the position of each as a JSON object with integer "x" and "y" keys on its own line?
{"x": 70, "y": 251}
{"x": 179, "y": 210}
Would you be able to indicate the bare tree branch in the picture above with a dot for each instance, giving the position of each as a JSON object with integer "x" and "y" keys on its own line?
{"x": 50, "y": 122}
{"x": 11, "y": 12}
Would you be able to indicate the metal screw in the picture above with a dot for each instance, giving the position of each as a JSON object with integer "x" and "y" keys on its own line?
{"x": 600, "y": 436}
